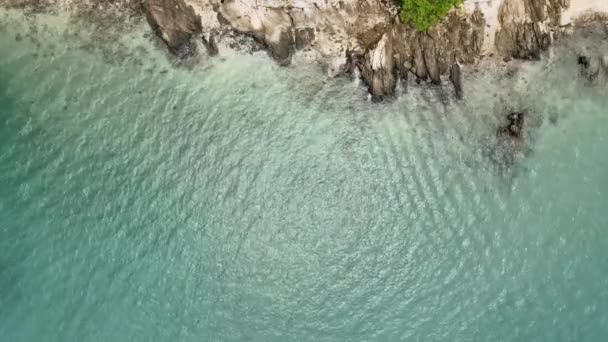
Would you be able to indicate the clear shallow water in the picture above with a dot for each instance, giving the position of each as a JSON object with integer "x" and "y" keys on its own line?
{"x": 239, "y": 201}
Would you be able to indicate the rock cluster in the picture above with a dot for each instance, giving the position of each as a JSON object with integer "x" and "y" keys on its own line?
{"x": 399, "y": 51}
{"x": 368, "y": 38}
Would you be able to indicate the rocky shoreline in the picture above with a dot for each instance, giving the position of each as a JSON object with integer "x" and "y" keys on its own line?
{"x": 363, "y": 38}
{"x": 366, "y": 38}
{"x": 377, "y": 48}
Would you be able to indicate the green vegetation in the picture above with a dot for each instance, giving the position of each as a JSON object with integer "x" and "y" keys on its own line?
{"x": 423, "y": 14}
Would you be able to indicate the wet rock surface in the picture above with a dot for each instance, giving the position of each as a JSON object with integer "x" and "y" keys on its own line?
{"x": 210, "y": 44}
{"x": 456, "y": 79}
{"x": 176, "y": 23}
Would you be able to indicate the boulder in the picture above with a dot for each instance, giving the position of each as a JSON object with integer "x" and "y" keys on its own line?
{"x": 377, "y": 68}
{"x": 282, "y": 49}
{"x": 174, "y": 22}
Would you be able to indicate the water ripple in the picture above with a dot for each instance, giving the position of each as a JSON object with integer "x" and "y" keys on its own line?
{"x": 220, "y": 204}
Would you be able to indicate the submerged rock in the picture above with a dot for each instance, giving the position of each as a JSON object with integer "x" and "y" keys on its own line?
{"x": 509, "y": 140}
{"x": 589, "y": 67}
{"x": 514, "y": 127}
{"x": 174, "y": 22}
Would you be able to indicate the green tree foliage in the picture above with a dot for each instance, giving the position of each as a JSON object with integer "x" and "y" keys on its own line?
{"x": 423, "y": 14}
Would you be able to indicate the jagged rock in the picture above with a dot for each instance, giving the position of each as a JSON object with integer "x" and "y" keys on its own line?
{"x": 175, "y": 22}
{"x": 210, "y": 45}
{"x": 379, "y": 44}
{"x": 323, "y": 29}
{"x": 456, "y": 79}
{"x": 350, "y": 64}
{"x": 525, "y": 27}
{"x": 377, "y": 68}
{"x": 430, "y": 58}
{"x": 522, "y": 41}
{"x": 419, "y": 65}
{"x": 431, "y": 54}
{"x": 403, "y": 71}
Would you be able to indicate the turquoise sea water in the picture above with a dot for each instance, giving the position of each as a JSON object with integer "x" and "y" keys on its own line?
{"x": 239, "y": 201}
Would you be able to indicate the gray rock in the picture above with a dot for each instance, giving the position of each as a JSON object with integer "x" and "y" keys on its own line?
{"x": 526, "y": 35}
{"x": 304, "y": 36}
{"x": 419, "y": 65}
{"x": 210, "y": 45}
{"x": 431, "y": 54}
{"x": 522, "y": 41}
{"x": 589, "y": 67}
{"x": 174, "y": 22}
{"x": 510, "y": 140}
{"x": 403, "y": 70}
{"x": 377, "y": 68}
{"x": 282, "y": 50}
{"x": 456, "y": 79}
